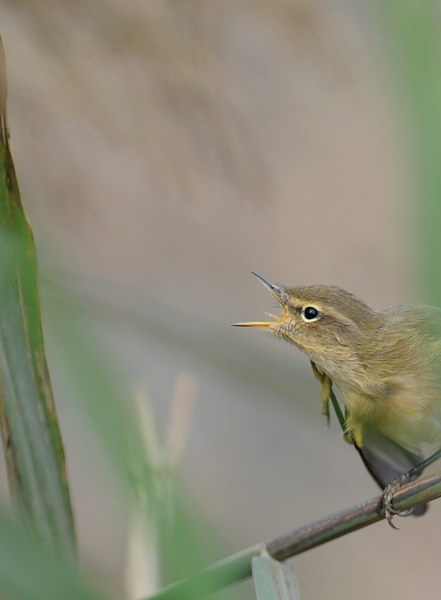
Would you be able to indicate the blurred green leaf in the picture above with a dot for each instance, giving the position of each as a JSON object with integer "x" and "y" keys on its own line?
{"x": 412, "y": 37}
{"x": 31, "y": 435}
{"x": 183, "y": 539}
{"x": 29, "y": 571}
{"x": 105, "y": 396}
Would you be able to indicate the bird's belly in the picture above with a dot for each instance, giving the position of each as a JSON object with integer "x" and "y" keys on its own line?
{"x": 405, "y": 415}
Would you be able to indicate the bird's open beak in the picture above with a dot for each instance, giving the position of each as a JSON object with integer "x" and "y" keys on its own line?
{"x": 253, "y": 324}
{"x": 279, "y": 293}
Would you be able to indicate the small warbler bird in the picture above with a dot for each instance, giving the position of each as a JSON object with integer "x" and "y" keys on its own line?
{"x": 386, "y": 365}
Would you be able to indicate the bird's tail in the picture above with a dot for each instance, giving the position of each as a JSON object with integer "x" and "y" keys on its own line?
{"x": 385, "y": 460}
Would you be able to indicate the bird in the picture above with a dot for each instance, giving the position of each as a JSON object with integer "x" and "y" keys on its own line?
{"x": 386, "y": 365}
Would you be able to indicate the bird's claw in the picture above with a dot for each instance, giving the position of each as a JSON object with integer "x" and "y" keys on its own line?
{"x": 386, "y": 500}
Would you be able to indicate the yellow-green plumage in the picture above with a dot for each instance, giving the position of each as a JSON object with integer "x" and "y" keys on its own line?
{"x": 386, "y": 364}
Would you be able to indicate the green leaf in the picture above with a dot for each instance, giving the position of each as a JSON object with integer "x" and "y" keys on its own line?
{"x": 30, "y": 431}
{"x": 28, "y": 571}
{"x": 274, "y": 580}
{"x": 412, "y": 33}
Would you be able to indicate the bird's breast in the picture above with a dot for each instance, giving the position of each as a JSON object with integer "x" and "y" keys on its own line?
{"x": 403, "y": 408}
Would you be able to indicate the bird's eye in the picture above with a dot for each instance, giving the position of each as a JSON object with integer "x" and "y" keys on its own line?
{"x": 310, "y": 314}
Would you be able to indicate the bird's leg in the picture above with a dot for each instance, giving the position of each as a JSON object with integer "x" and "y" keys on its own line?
{"x": 395, "y": 484}
{"x": 325, "y": 392}
{"x": 387, "y": 496}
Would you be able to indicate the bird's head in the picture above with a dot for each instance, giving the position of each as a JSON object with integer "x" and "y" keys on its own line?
{"x": 319, "y": 319}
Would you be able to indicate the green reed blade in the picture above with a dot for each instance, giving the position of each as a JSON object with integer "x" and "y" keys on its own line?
{"x": 30, "y": 431}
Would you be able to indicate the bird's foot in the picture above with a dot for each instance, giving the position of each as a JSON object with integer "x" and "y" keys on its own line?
{"x": 387, "y": 497}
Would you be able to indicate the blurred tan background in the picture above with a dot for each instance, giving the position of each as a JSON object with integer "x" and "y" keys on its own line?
{"x": 165, "y": 149}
